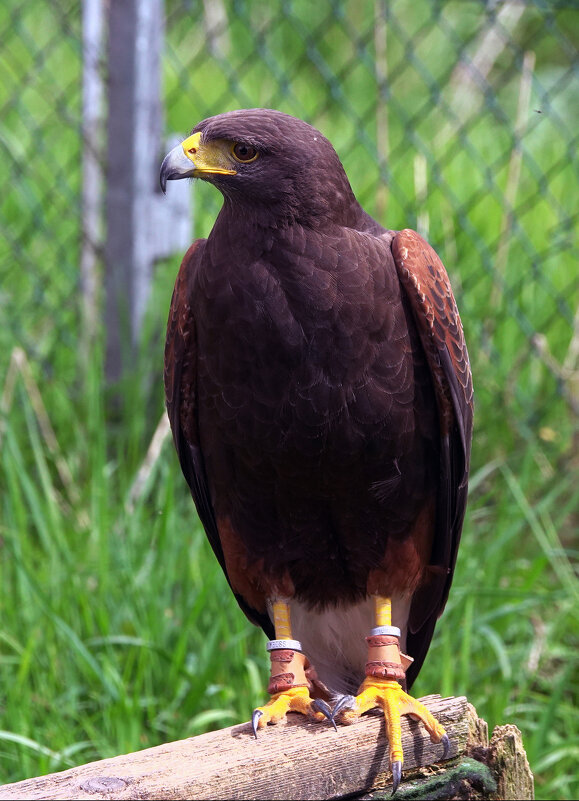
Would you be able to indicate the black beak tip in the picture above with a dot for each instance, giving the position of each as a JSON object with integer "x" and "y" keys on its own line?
{"x": 164, "y": 174}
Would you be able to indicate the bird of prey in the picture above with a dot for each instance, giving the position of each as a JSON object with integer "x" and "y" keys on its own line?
{"x": 320, "y": 397}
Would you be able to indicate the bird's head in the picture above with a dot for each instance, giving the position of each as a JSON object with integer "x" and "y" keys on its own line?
{"x": 260, "y": 158}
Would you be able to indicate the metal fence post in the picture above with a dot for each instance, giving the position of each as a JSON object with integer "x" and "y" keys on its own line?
{"x": 92, "y": 155}
{"x": 139, "y": 230}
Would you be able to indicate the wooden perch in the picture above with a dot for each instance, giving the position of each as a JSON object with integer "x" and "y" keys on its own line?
{"x": 302, "y": 760}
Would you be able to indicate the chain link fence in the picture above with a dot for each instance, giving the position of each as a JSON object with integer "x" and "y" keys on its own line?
{"x": 40, "y": 146}
{"x": 455, "y": 118}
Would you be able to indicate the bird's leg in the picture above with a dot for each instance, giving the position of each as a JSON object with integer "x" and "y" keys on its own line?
{"x": 385, "y": 668}
{"x": 289, "y": 685}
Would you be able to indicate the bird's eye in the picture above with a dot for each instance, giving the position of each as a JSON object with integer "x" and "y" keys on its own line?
{"x": 244, "y": 153}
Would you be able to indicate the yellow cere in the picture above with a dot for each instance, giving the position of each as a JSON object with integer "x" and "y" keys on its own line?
{"x": 191, "y": 145}
{"x": 208, "y": 158}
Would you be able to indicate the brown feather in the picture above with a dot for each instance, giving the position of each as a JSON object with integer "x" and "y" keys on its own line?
{"x": 434, "y": 308}
{"x": 318, "y": 388}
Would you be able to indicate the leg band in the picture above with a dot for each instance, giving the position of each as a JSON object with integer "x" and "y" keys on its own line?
{"x": 384, "y": 660}
{"x": 274, "y": 645}
{"x": 288, "y": 669}
{"x": 386, "y": 630}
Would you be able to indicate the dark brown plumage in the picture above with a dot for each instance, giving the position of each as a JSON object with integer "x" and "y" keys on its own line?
{"x": 319, "y": 393}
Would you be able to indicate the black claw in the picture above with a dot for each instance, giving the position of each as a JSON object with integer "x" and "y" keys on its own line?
{"x": 446, "y": 743}
{"x": 396, "y": 775}
{"x": 257, "y": 713}
{"x": 322, "y": 707}
{"x": 345, "y": 702}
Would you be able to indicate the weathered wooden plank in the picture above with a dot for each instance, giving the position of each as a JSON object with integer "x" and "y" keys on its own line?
{"x": 298, "y": 760}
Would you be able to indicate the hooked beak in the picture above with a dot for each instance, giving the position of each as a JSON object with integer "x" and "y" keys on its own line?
{"x": 194, "y": 159}
{"x": 175, "y": 165}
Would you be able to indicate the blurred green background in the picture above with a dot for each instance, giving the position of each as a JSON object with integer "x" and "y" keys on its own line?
{"x": 459, "y": 119}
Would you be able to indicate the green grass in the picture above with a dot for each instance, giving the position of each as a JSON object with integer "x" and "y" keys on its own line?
{"x": 117, "y": 628}
{"x": 90, "y": 667}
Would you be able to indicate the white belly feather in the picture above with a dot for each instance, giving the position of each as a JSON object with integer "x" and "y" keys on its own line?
{"x": 334, "y": 640}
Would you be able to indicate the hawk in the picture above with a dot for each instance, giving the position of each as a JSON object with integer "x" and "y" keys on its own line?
{"x": 320, "y": 397}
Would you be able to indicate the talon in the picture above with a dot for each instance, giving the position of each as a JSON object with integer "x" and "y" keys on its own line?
{"x": 323, "y": 707}
{"x": 257, "y": 713}
{"x": 345, "y": 702}
{"x": 294, "y": 699}
{"x": 446, "y": 743}
{"x": 396, "y": 775}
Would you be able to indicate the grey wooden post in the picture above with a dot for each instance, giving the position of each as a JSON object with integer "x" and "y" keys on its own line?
{"x": 140, "y": 228}
{"x": 93, "y": 116}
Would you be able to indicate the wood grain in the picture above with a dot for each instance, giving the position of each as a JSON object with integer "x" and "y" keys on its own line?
{"x": 298, "y": 760}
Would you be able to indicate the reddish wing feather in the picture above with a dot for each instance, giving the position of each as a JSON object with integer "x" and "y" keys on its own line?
{"x": 427, "y": 285}
{"x": 428, "y": 289}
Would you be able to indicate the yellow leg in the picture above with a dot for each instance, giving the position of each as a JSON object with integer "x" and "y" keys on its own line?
{"x": 382, "y": 611}
{"x": 380, "y": 689}
{"x": 282, "y": 620}
{"x": 289, "y": 685}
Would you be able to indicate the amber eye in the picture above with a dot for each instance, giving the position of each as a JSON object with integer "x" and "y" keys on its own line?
{"x": 244, "y": 153}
